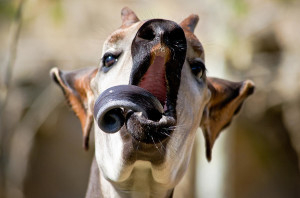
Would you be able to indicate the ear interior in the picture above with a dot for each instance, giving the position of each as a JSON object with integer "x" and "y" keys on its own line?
{"x": 76, "y": 88}
{"x": 128, "y": 17}
{"x": 226, "y": 100}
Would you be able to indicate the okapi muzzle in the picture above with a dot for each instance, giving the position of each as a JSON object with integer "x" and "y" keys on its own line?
{"x": 147, "y": 106}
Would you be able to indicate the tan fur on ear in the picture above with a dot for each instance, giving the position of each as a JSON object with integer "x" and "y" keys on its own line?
{"x": 226, "y": 100}
{"x": 76, "y": 88}
{"x": 128, "y": 17}
{"x": 190, "y": 22}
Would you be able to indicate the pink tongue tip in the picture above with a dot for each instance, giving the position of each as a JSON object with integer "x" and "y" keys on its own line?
{"x": 154, "y": 80}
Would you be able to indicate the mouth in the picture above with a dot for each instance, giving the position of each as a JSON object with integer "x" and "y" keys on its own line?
{"x": 155, "y": 81}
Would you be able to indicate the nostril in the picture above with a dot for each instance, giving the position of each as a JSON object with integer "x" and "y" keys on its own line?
{"x": 176, "y": 34}
{"x": 147, "y": 33}
{"x": 174, "y": 37}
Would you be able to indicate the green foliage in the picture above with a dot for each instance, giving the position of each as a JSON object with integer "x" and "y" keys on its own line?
{"x": 7, "y": 9}
{"x": 57, "y": 11}
{"x": 240, "y": 7}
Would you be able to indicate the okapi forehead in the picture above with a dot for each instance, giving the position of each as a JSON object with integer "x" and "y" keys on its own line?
{"x": 195, "y": 48}
{"x": 116, "y": 36}
{"x": 123, "y": 33}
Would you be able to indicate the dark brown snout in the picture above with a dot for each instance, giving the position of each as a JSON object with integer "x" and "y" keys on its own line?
{"x": 158, "y": 53}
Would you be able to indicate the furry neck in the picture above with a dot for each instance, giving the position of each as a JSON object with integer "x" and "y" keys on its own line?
{"x": 140, "y": 184}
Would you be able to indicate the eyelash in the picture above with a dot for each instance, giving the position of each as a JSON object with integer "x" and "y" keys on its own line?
{"x": 107, "y": 64}
{"x": 197, "y": 67}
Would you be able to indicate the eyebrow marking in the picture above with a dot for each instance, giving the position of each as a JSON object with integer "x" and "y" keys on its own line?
{"x": 117, "y": 36}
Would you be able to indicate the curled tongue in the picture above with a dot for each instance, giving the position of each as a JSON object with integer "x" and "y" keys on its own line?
{"x": 108, "y": 108}
{"x": 154, "y": 80}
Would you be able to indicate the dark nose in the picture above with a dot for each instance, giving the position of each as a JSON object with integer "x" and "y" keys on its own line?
{"x": 163, "y": 31}
{"x": 158, "y": 33}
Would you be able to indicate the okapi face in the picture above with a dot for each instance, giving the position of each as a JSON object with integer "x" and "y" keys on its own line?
{"x": 147, "y": 99}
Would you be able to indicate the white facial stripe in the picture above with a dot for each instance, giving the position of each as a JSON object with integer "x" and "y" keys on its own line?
{"x": 109, "y": 147}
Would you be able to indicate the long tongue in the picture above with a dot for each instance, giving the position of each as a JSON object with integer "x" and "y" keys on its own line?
{"x": 108, "y": 106}
{"x": 154, "y": 80}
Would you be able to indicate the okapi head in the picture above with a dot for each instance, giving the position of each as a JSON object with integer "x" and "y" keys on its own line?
{"x": 146, "y": 100}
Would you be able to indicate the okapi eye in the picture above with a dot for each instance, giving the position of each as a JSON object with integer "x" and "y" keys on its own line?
{"x": 198, "y": 68}
{"x": 109, "y": 60}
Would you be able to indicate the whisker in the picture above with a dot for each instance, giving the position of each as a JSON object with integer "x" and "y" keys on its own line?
{"x": 136, "y": 149}
{"x": 138, "y": 145}
{"x": 162, "y": 146}
{"x": 176, "y": 127}
{"x": 172, "y": 154}
{"x": 164, "y": 133}
{"x": 155, "y": 145}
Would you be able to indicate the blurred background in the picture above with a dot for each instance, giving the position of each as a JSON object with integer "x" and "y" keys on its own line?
{"x": 41, "y": 152}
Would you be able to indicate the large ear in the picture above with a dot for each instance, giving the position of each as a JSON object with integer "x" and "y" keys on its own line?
{"x": 76, "y": 88}
{"x": 226, "y": 100}
{"x": 128, "y": 17}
